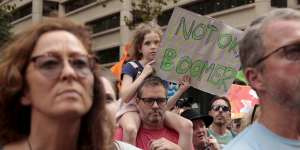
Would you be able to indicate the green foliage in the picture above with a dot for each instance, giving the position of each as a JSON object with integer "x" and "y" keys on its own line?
{"x": 5, "y": 26}
{"x": 145, "y": 11}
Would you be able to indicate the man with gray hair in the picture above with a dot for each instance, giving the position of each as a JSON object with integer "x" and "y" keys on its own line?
{"x": 270, "y": 56}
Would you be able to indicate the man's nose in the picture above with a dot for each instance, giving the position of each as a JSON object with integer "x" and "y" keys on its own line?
{"x": 155, "y": 105}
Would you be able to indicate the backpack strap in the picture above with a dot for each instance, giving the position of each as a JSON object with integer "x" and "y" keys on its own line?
{"x": 134, "y": 65}
{"x": 137, "y": 67}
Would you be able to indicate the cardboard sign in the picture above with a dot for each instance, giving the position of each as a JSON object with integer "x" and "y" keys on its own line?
{"x": 204, "y": 48}
{"x": 242, "y": 98}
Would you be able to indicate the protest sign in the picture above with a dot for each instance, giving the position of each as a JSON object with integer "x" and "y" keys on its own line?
{"x": 242, "y": 98}
{"x": 204, "y": 48}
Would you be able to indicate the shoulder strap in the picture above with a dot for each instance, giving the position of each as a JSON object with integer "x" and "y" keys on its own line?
{"x": 137, "y": 67}
{"x": 134, "y": 65}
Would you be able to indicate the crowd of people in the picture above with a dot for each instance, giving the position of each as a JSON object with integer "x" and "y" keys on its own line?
{"x": 55, "y": 96}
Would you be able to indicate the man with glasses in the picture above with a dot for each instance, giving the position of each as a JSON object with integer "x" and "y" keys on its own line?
{"x": 220, "y": 110}
{"x": 152, "y": 103}
{"x": 270, "y": 56}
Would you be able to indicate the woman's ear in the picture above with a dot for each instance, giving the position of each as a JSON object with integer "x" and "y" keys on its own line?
{"x": 25, "y": 100}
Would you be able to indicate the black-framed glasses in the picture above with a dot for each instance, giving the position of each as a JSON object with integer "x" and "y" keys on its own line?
{"x": 222, "y": 107}
{"x": 51, "y": 64}
{"x": 161, "y": 101}
{"x": 290, "y": 52}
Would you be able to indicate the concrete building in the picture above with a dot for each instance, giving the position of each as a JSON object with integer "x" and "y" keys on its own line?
{"x": 107, "y": 22}
{"x": 109, "y": 30}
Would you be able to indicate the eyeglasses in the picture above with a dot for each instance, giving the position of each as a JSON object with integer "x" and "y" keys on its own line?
{"x": 51, "y": 65}
{"x": 290, "y": 52}
{"x": 161, "y": 101}
{"x": 223, "y": 108}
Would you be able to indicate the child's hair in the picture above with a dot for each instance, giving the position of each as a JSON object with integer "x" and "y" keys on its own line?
{"x": 138, "y": 37}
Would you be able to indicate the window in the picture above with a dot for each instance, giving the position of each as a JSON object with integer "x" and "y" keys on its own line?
{"x": 21, "y": 12}
{"x": 109, "y": 55}
{"x": 105, "y": 23}
{"x": 279, "y": 3}
{"x": 204, "y": 7}
{"x": 76, "y": 4}
{"x": 50, "y": 8}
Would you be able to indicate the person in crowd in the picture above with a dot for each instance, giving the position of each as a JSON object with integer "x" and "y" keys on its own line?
{"x": 110, "y": 87}
{"x": 112, "y": 104}
{"x": 238, "y": 123}
{"x": 270, "y": 56}
{"x": 220, "y": 110}
{"x": 146, "y": 42}
{"x": 201, "y": 122}
{"x": 152, "y": 105}
{"x": 50, "y": 95}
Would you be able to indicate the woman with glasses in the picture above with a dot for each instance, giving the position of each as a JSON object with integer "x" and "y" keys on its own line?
{"x": 146, "y": 42}
{"x": 50, "y": 96}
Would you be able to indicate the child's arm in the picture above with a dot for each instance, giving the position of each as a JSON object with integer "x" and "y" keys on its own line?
{"x": 185, "y": 83}
{"x": 130, "y": 122}
{"x": 183, "y": 126}
{"x": 129, "y": 87}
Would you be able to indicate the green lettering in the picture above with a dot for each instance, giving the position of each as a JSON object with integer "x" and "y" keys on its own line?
{"x": 233, "y": 47}
{"x": 216, "y": 75}
{"x": 199, "y": 34}
{"x": 183, "y": 65}
{"x": 182, "y": 25}
{"x": 224, "y": 40}
{"x": 167, "y": 61}
{"x": 197, "y": 67}
{"x": 229, "y": 74}
{"x": 206, "y": 69}
{"x": 210, "y": 29}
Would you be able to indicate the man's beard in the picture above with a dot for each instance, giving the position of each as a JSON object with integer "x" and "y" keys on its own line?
{"x": 288, "y": 97}
{"x": 220, "y": 122}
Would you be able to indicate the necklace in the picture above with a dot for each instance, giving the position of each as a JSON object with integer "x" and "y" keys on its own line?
{"x": 29, "y": 144}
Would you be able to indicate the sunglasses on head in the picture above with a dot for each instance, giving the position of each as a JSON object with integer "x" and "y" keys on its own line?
{"x": 51, "y": 64}
{"x": 290, "y": 52}
{"x": 222, "y": 107}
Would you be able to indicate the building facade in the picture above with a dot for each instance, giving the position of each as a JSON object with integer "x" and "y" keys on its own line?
{"x": 110, "y": 32}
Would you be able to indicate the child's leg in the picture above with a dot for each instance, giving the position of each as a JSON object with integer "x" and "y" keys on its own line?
{"x": 130, "y": 122}
{"x": 183, "y": 126}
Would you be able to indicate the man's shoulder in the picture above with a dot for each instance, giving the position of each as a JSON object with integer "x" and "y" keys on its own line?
{"x": 243, "y": 140}
{"x": 258, "y": 137}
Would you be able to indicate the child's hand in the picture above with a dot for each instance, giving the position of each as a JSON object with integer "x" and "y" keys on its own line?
{"x": 148, "y": 69}
{"x": 185, "y": 82}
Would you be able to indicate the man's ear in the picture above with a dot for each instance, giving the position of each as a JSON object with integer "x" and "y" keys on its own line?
{"x": 254, "y": 77}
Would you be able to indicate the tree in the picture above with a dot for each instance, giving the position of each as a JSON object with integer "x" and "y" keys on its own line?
{"x": 5, "y": 26}
{"x": 146, "y": 10}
